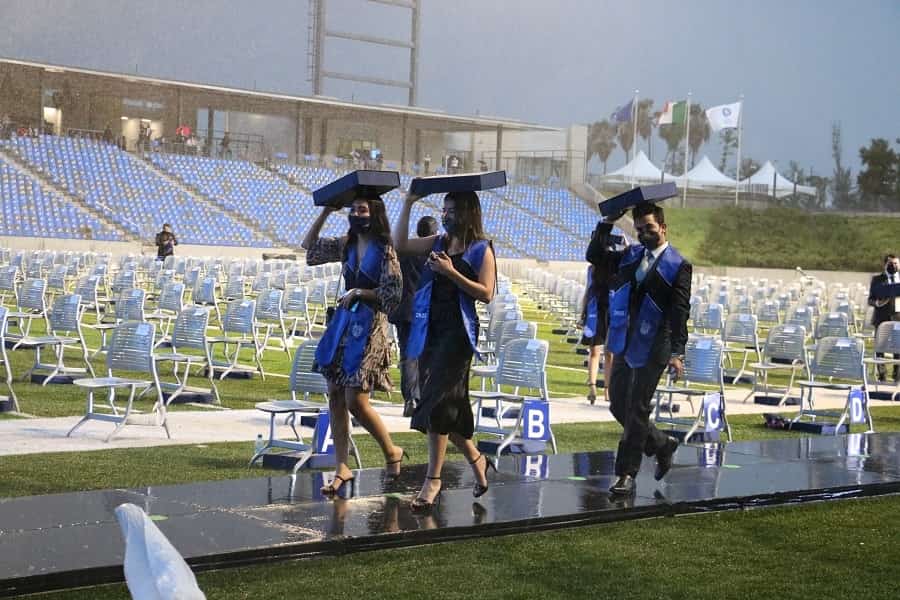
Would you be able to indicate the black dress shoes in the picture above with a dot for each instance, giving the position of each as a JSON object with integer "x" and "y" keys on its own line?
{"x": 664, "y": 458}
{"x": 624, "y": 486}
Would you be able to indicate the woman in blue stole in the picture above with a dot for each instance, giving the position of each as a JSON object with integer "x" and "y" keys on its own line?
{"x": 354, "y": 353}
{"x": 460, "y": 270}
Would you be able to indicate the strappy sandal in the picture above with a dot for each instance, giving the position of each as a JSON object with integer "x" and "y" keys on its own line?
{"x": 421, "y": 505}
{"x": 479, "y": 490}
{"x": 331, "y": 489}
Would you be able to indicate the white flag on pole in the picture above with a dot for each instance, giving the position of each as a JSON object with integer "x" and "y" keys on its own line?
{"x": 724, "y": 116}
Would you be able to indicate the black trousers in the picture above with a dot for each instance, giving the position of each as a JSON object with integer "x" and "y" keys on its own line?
{"x": 630, "y": 393}
{"x": 409, "y": 368}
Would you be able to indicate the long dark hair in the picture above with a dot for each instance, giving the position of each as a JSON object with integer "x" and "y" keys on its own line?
{"x": 468, "y": 216}
{"x": 380, "y": 228}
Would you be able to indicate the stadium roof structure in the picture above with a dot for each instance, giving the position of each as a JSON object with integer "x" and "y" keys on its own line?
{"x": 417, "y": 117}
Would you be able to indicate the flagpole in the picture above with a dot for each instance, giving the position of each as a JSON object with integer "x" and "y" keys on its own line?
{"x": 687, "y": 148}
{"x": 737, "y": 184}
{"x": 634, "y": 112}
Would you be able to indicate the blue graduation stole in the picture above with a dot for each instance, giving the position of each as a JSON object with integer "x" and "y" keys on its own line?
{"x": 637, "y": 346}
{"x": 418, "y": 333}
{"x": 590, "y": 319}
{"x": 355, "y": 322}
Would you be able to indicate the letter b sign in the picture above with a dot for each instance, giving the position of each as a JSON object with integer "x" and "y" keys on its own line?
{"x": 536, "y": 420}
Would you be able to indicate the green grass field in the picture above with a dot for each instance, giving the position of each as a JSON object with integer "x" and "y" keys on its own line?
{"x": 839, "y": 548}
{"x": 781, "y": 238}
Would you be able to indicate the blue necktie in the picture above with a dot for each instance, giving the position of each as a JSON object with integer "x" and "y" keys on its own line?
{"x": 644, "y": 267}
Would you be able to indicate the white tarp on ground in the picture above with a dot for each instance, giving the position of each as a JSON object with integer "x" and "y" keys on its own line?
{"x": 705, "y": 174}
{"x": 761, "y": 182}
{"x": 641, "y": 169}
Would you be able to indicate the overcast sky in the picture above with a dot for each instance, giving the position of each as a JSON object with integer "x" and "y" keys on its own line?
{"x": 801, "y": 64}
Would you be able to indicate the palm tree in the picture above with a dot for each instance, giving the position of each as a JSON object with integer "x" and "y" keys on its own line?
{"x": 602, "y": 141}
{"x": 645, "y": 122}
{"x": 625, "y": 136}
{"x": 700, "y": 130}
{"x": 672, "y": 135}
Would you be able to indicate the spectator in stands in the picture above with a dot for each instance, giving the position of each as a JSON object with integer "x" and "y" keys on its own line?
{"x": 5, "y": 127}
{"x": 411, "y": 267}
{"x": 886, "y": 308}
{"x": 354, "y": 353}
{"x": 453, "y": 164}
{"x": 649, "y": 305}
{"x": 108, "y": 135}
{"x": 594, "y": 321}
{"x": 165, "y": 242}
{"x": 427, "y": 161}
{"x": 225, "y": 146}
{"x": 460, "y": 270}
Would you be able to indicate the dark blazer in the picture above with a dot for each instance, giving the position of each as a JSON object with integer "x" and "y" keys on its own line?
{"x": 882, "y": 313}
{"x": 674, "y": 301}
{"x": 411, "y": 268}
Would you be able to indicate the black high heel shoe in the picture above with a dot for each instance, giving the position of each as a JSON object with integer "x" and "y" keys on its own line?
{"x": 420, "y": 505}
{"x": 479, "y": 490}
{"x": 331, "y": 489}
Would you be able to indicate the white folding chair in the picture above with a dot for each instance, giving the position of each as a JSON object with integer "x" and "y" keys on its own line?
{"x": 841, "y": 359}
{"x": 268, "y": 318}
{"x": 64, "y": 332}
{"x": 522, "y": 365}
{"x": 31, "y": 304}
{"x": 784, "y": 350}
{"x": 702, "y": 367}
{"x": 189, "y": 333}
{"x": 887, "y": 341}
{"x": 130, "y": 350}
{"x": 237, "y": 332}
{"x": 306, "y": 381}
{"x": 4, "y": 360}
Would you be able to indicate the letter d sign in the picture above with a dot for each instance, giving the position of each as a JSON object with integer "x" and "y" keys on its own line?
{"x": 857, "y": 402}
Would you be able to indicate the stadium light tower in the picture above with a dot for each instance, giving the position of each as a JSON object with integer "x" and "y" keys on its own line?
{"x": 318, "y": 35}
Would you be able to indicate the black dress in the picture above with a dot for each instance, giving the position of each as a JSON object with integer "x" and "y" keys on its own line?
{"x": 600, "y": 290}
{"x": 444, "y": 363}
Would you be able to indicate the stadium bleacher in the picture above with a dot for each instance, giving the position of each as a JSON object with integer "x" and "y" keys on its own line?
{"x": 31, "y": 211}
{"x": 242, "y": 204}
{"x": 264, "y": 198}
{"x": 128, "y": 192}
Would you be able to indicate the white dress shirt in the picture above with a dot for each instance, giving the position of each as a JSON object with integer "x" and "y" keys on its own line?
{"x": 650, "y": 257}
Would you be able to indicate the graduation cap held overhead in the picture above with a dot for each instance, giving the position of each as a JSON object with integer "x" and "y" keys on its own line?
{"x": 343, "y": 191}
{"x": 463, "y": 182}
{"x": 644, "y": 194}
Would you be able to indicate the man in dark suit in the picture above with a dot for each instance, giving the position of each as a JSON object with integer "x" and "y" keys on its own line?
{"x": 648, "y": 313}
{"x": 411, "y": 268}
{"x": 886, "y": 309}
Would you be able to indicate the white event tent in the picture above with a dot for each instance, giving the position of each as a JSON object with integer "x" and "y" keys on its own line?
{"x": 641, "y": 169}
{"x": 705, "y": 174}
{"x": 761, "y": 182}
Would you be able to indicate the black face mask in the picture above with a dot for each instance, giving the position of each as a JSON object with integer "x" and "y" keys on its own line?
{"x": 891, "y": 269}
{"x": 449, "y": 224}
{"x": 649, "y": 239}
{"x": 359, "y": 224}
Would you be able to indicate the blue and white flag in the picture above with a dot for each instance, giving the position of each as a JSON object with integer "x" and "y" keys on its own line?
{"x": 724, "y": 116}
{"x": 623, "y": 114}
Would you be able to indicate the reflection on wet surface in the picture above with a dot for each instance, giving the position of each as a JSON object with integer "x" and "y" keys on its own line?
{"x": 60, "y": 534}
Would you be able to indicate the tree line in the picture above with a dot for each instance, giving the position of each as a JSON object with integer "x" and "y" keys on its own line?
{"x": 875, "y": 188}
